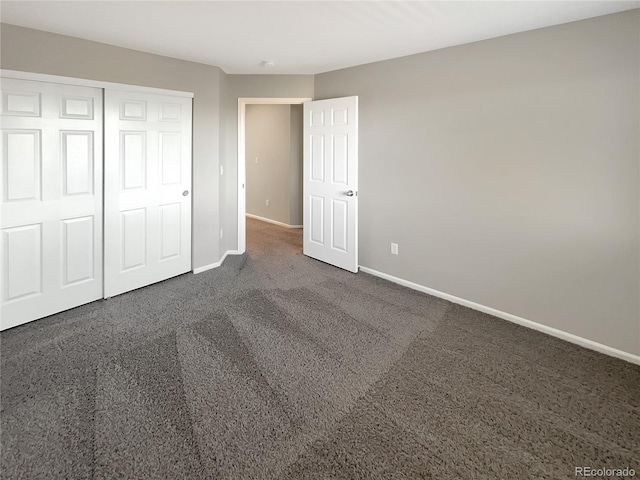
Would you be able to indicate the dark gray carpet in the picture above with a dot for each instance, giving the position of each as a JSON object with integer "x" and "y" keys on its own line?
{"x": 277, "y": 366}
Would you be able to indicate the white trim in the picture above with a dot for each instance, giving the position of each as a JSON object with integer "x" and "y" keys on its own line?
{"x": 275, "y": 222}
{"x": 554, "y": 332}
{"x": 242, "y": 207}
{"x": 217, "y": 264}
{"x": 83, "y": 82}
{"x": 207, "y": 267}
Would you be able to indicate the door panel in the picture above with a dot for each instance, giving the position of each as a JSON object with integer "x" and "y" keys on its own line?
{"x": 77, "y": 163}
{"x": 148, "y": 167}
{"x": 330, "y": 172}
{"x": 134, "y": 238}
{"x": 22, "y": 161}
{"x": 170, "y": 221}
{"x": 22, "y": 261}
{"x": 77, "y": 250}
{"x": 51, "y": 199}
{"x": 20, "y": 103}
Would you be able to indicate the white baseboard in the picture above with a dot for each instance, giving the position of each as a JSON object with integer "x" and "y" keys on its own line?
{"x": 217, "y": 264}
{"x": 569, "y": 337}
{"x": 268, "y": 220}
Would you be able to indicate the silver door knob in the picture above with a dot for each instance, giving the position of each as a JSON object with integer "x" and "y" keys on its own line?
{"x": 349, "y": 193}
{"x": 185, "y": 193}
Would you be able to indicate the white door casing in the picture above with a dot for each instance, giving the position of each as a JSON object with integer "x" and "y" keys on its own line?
{"x": 330, "y": 187}
{"x": 51, "y": 214}
{"x": 147, "y": 189}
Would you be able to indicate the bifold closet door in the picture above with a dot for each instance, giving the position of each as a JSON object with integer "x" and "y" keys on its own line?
{"x": 51, "y": 215}
{"x": 147, "y": 189}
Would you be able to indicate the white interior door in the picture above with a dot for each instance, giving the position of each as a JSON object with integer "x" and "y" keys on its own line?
{"x": 147, "y": 189}
{"x": 330, "y": 187}
{"x": 51, "y": 215}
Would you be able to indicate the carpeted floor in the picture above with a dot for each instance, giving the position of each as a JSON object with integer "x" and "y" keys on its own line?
{"x": 277, "y": 366}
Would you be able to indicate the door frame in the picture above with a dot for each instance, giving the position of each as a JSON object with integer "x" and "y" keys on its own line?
{"x": 242, "y": 197}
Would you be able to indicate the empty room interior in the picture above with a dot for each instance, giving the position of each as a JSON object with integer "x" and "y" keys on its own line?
{"x": 320, "y": 239}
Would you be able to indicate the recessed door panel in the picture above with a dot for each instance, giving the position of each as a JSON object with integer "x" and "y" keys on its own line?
{"x": 133, "y": 110}
{"x": 170, "y": 112}
{"x": 77, "y": 162}
{"x": 22, "y": 262}
{"x": 77, "y": 107}
{"x": 170, "y": 222}
{"x": 317, "y": 158}
{"x": 170, "y": 158}
{"x": 134, "y": 238}
{"x": 340, "y": 159}
{"x": 317, "y": 220}
{"x": 23, "y": 104}
{"x": 316, "y": 117}
{"x": 339, "y": 224}
{"x": 339, "y": 116}
{"x": 22, "y": 165}
{"x": 78, "y": 250}
{"x": 133, "y": 159}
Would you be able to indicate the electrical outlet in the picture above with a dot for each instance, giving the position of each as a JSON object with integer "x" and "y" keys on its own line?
{"x": 257, "y": 160}
{"x": 221, "y": 169}
{"x": 394, "y": 248}
{"x": 221, "y": 233}
{"x": 267, "y": 202}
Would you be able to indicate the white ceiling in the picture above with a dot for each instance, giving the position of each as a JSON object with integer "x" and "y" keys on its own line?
{"x": 303, "y": 37}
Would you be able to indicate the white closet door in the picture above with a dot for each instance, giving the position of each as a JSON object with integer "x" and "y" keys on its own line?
{"x": 51, "y": 215}
{"x": 147, "y": 189}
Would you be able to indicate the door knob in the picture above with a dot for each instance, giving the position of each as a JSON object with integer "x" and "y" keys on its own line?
{"x": 349, "y": 193}
{"x": 185, "y": 193}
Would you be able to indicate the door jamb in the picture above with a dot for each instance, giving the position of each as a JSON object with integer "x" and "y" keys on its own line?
{"x": 242, "y": 198}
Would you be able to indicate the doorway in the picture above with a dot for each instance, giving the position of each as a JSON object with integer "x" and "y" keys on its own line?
{"x": 274, "y": 164}
{"x": 242, "y": 156}
{"x": 330, "y": 178}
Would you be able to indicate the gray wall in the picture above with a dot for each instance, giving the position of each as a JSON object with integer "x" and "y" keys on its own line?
{"x": 508, "y": 172}
{"x": 295, "y": 175}
{"x": 35, "y": 51}
{"x": 268, "y": 163}
{"x": 247, "y": 86}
